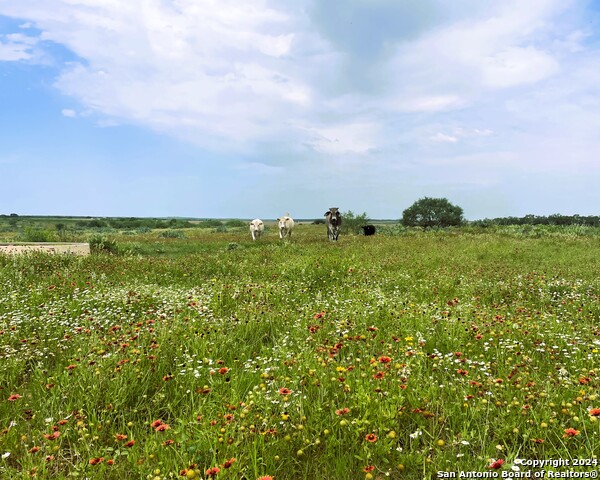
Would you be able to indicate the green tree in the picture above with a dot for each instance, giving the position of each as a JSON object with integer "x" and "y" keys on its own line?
{"x": 432, "y": 212}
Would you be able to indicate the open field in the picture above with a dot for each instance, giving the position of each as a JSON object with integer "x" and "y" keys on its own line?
{"x": 394, "y": 356}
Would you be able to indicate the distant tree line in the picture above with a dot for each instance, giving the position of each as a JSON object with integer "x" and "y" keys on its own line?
{"x": 555, "y": 219}
{"x": 133, "y": 223}
{"x": 439, "y": 212}
{"x": 425, "y": 212}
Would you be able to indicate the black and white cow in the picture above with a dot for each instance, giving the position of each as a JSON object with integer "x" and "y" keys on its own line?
{"x": 368, "y": 230}
{"x": 334, "y": 222}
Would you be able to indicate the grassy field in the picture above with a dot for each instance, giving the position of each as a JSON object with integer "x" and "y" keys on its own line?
{"x": 205, "y": 355}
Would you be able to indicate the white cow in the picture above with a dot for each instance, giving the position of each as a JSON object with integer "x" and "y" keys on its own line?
{"x": 286, "y": 224}
{"x": 257, "y": 227}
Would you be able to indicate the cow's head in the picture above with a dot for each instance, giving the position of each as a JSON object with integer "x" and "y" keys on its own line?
{"x": 333, "y": 215}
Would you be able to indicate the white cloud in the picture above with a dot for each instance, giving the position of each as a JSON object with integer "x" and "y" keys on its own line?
{"x": 483, "y": 133}
{"x": 67, "y": 112}
{"x": 201, "y": 70}
{"x": 242, "y": 71}
{"x": 15, "y": 47}
{"x": 455, "y": 65}
{"x": 460, "y": 133}
{"x": 431, "y": 103}
{"x": 442, "y": 137}
{"x": 232, "y": 74}
{"x": 349, "y": 138}
{"x": 517, "y": 66}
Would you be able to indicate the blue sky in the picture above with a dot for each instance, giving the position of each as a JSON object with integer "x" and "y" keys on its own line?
{"x": 237, "y": 108}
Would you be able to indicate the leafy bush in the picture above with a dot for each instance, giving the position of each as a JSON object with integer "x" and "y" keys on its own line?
{"x": 178, "y": 223}
{"x": 351, "y": 223}
{"x": 94, "y": 223}
{"x": 102, "y": 244}
{"x": 235, "y": 223}
{"x": 210, "y": 224}
{"x": 172, "y": 234}
{"x": 31, "y": 234}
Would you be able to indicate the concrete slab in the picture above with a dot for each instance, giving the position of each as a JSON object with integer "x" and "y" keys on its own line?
{"x": 72, "y": 248}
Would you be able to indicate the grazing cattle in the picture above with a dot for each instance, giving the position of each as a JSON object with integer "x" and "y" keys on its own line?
{"x": 286, "y": 224}
{"x": 257, "y": 227}
{"x": 334, "y": 222}
{"x": 368, "y": 230}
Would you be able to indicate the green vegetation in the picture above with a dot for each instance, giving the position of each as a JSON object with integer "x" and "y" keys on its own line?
{"x": 68, "y": 229}
{"x": 102, "y": 244}
{"x": 172, "y": 234}
{"x": 432, "y": 212}
{"x": 556, "y": 219}
{"x": 31, "y": 234}
{"x": 351, "y": 222}
{"x": 395, "y": 356}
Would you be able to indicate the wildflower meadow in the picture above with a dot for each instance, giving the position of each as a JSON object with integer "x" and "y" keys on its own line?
{"x": 209, "y": 356}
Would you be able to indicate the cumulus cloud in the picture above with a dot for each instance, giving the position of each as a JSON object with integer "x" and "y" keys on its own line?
{"x": 352, "y": 77}
{"x": 455, "y": 64}
{"x": 200, "y": 69}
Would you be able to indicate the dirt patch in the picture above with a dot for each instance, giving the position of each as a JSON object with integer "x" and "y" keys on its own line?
{"x": 72, "y": 248}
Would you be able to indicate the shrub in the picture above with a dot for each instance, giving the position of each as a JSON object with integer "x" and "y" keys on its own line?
{"x": 392, "y": 230}
{"x": 172, "y": 234}
{"x": 235, "y": 223}
{"x": 96, "y": 223}
{"x": 31, "y": 234}
{"x": 210, "y": 224}
{"x": 178, "y": 223}
{"x": 102, "y": 244}
{"x": 351, "y": 223}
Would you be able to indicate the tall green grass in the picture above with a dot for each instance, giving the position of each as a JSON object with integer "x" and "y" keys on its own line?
{"x": 394, "y": 356}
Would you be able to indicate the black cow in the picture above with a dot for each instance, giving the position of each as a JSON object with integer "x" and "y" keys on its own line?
{"x": 368, "y": 230}
{"x": 334, "y": 222}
